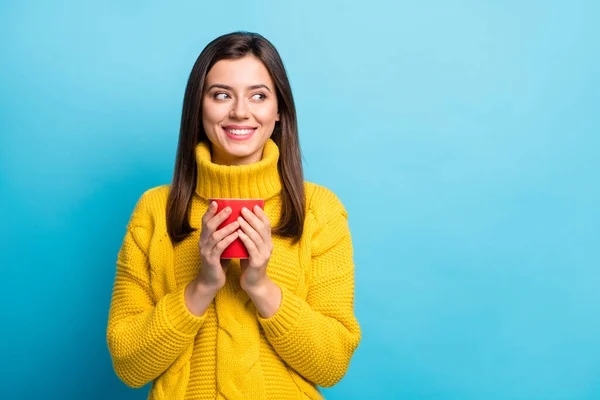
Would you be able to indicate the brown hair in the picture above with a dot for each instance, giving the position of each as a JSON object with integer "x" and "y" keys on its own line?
{"x": 234, "y": 46}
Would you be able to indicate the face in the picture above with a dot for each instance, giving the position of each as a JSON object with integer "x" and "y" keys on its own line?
{"x": 239, "y": 110}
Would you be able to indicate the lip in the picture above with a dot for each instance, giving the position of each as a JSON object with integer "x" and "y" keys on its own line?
{"x": 238, "y": 137}
{"x": 239, "y": 127}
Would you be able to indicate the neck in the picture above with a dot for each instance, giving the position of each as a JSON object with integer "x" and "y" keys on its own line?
{"x": 259, "y": 180}
{"x": 224, "y": 159}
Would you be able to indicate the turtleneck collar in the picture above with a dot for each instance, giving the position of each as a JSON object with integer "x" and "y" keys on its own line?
{"x": 253, "y": 181}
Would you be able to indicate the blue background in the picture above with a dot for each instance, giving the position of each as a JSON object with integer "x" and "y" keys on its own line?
{"x": 462, "y": 136}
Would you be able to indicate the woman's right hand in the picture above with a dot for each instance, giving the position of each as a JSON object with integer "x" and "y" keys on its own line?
{"x": 200, "y": 292}
{"x": 212, "y": 243}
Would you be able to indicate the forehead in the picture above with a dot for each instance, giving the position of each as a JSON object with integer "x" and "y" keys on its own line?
{"x": 240, "y": 72}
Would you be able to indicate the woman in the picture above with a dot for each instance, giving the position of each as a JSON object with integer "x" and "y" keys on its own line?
{"x": 273, "y": 326}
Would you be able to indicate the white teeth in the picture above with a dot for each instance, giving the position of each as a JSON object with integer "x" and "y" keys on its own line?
{"x": 240, "y": 131}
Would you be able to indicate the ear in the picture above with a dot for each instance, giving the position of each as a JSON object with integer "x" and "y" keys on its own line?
{"x": 278, "y": 117}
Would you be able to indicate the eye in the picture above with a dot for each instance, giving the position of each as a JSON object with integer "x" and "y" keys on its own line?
{"x": 220, "y": 96}
{"x": 259, "y": 96}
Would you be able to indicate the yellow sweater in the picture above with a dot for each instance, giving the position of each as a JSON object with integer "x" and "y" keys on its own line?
{"x": 231, "y": 352}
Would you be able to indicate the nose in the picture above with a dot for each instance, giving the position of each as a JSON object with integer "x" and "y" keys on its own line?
{"x": 239, "y": 110}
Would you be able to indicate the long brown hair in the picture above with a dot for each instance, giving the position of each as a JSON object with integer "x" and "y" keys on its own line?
{"x": 234, "y": 46}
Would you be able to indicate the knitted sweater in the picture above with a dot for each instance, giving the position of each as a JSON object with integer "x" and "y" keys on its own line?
{"x": 232, "y": 352}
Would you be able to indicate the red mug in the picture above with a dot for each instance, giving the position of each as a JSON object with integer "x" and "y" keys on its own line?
{"x": 237, "y": 248}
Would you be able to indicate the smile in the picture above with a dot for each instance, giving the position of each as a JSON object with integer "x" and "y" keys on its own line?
{"x": 239, "y": 134}
{"x": 240, "y": 131}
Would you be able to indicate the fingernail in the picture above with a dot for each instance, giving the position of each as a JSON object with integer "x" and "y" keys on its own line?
{"x": 228, "y": 210}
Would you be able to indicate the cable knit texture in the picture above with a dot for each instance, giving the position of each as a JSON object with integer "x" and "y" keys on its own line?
{"x": 231, "y": 352}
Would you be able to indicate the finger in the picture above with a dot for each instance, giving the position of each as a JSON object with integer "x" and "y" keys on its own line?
{"x": 210, "y": 213}
{"x": 260, "y": 213}
{"x": 223, "y": 244}
{"x": 253, "y": 220}
{"x": 250, "y": 231}
{"x": 219, "y": 235}
{"x": 218, "y": 219}
{"x": 264, "y": 230}
{"x": 212, "y": 210}
{"x": 250, "y": 246}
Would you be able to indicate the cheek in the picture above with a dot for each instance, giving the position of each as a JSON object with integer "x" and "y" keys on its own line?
{"x": 212, "y": 114}
{"x": 267, "y": 115}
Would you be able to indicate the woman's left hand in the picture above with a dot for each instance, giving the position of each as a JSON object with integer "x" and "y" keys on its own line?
{"x": 255, "y": 233}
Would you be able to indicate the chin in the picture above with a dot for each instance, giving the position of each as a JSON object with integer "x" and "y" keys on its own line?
{"x": 241, "y": 150}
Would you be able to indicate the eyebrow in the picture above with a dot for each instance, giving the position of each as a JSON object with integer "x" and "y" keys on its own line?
{"x": 226, "y": 87}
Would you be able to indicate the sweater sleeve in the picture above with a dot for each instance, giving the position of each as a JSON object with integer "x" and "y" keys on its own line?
{"x": 318, "y": 336}
{"x": 144, "y": 336}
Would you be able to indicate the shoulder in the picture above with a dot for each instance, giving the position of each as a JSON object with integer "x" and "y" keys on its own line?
{"x": 323, "y": 203}
{"x": 155, "y": 196}
{"x": 148, "y": 216}
{"x": 151, "y": 206}
{"x": 326, "y": 218}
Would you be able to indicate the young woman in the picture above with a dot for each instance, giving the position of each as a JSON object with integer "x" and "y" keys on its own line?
{"x": 273, "y": 326}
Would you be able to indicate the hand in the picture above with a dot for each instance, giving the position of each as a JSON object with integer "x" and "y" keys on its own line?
{"x": 255, "y": 233}
{"x": 212, "y": 243}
